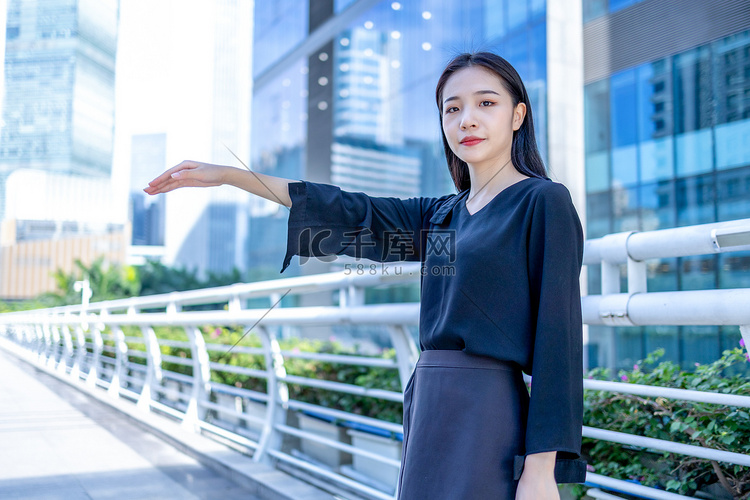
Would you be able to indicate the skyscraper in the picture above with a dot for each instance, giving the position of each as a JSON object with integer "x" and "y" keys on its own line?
{"x": 667, "y": 124}
{"x": 58, "y": 106}
{"x": 57, "y": 130}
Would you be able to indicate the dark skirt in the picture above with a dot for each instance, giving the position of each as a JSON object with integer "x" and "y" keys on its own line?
{"x": 464, "y": 424}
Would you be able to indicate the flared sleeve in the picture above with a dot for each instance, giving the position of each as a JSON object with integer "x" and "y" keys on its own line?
{"x": 555, "y": 258}
{"x": 325, "y": 220}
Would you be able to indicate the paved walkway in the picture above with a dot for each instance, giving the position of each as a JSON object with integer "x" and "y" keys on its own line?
{"x": 58, "y": 443}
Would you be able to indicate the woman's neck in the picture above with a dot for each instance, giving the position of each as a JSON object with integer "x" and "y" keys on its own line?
{"x": 489, "y": 179}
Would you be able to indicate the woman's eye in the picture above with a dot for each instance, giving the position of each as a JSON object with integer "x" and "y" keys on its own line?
{"x": 452, "y": 109}
{"x": 487, "y": 103}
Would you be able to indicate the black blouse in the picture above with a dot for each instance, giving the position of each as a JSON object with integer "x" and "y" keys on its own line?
{"x": 503, "y": 282}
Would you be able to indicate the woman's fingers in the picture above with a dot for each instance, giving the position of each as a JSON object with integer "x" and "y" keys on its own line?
{"x": 186, "y": 174}
{"x": 167, "y": 175}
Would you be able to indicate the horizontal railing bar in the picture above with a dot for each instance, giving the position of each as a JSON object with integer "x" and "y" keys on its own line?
{"x": 180, "y": 377}
{"x": 238, "y": 349}
{"x": 237, "y": 391}
{"x": 328, "y": 474}
{"x": 336, "y": 444}
{"x": 177, "y": 360}
{"x": 251, "y": 372}
{"x": 137, "y": 367}
{"x": 134, "y": 340}
{"x": 346, "y": 416}
{"x": 342, "y": 359}
{"x": 600, "y": 495}
{"x": 232, "y": 411}
{"x": 380, "y": 314}
{"x": 103, "y": 383}
{"x": 668, "y": 446}
{"x": 660, "y": 244}
{"x": 695, "y": 307}
{"x": 129, "y": 394}
{"x": 166, "y": 409}
{"x": 137, "y": 354}
{"x": 231, "y": 436}
{"x": 668, "y": 392}
{"x": 632, "y": 488}
{"x": 173, "y": 393}
{"x": 174, "y": 343}
{"x": 132, "y": 380}
{"x": 341, "y": 387}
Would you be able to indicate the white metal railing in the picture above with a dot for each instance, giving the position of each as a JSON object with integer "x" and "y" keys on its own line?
{"x": 90, "y": 345}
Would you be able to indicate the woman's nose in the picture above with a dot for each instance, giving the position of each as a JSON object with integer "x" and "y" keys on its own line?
{"x": 467, "y": 121}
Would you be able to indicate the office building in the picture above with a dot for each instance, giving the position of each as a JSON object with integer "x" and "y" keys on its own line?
{"x": 58, "y": 104}
{"x": 641, "y": 109}
{"x": 56, "y": 141}
{"x": 667, "y": 121}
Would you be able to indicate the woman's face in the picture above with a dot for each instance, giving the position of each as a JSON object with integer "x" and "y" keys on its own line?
{"x": 479, "y": 117}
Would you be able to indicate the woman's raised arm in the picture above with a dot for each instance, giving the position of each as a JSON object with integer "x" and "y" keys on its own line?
{"x": 197, "y": 174}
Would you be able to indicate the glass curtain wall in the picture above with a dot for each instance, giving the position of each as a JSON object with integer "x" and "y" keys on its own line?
{"x": 668, "y": 144}
{"x": 371, "y": 86}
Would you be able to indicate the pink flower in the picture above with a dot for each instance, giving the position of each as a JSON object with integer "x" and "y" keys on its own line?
{"x": 697, "y": 364}
{"x": 216, "y": 333}
{"x": 747, "y": 356}
{"x": 742, "y": 342}
{"x": 635, "y": 367}
{"x": 332, "y": 338}
{"x": 296, "y": 350}
{"x": 624, "y": 378}
{"x": 590, "y": 468}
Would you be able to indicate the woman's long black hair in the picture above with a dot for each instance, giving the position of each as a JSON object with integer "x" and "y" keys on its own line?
{"x": 524, "y": 152}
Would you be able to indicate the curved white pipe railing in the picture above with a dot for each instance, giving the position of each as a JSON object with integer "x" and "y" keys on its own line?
{"x": 90, "y": 345}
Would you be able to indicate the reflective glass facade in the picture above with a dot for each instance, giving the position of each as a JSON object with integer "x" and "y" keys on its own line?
{"x": 597, "y": 8}
{"x": 58, "y": 107}
{"x": 359, "y": 110}
{"x": 668, "y": 144}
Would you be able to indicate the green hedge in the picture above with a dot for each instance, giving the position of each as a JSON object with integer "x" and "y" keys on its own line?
{"x": 709, "y": 425}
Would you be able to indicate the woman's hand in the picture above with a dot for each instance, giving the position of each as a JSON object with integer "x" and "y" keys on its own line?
{"x": 197, "y": 174}
{"x": 538, "y": 478}
{"x": 189, "y": 174}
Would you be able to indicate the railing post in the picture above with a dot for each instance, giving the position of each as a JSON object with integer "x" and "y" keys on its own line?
{"x": 97, "y": 346}
{"x": 153, "y": 368}
{"x": 80, "y": 353}
{"x": 235, "y": 303}
{"x": 407, "y": 352}
{"x": 196, "y": 412}
{"x": 54, "y": 346}
{"x": 121, "y": 358}
{"x": 745, "y": 332}
{"x": 67, "y": 354}
{"x": 278, "y": 397}
{"x": 42, "y": 333}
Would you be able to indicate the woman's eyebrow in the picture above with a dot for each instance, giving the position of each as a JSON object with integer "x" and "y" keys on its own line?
{"x": 478, "y": 92}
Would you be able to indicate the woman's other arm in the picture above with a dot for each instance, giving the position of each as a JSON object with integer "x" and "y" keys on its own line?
{"x": 197, "y": 174}
{"x": 537, "y": 481}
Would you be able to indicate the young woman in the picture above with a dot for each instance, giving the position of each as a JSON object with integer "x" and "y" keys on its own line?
{"x": 500, "y": 292}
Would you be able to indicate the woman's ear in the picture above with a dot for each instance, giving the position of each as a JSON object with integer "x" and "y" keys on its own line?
{"x": 518, "y": 116}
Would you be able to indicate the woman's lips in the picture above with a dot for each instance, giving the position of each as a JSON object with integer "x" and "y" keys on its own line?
{"x": 471, "y": 141}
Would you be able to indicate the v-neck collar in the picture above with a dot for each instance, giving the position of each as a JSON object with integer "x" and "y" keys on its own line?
{"x": 491, "y": 200}
{"x": 446, "y": 208}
